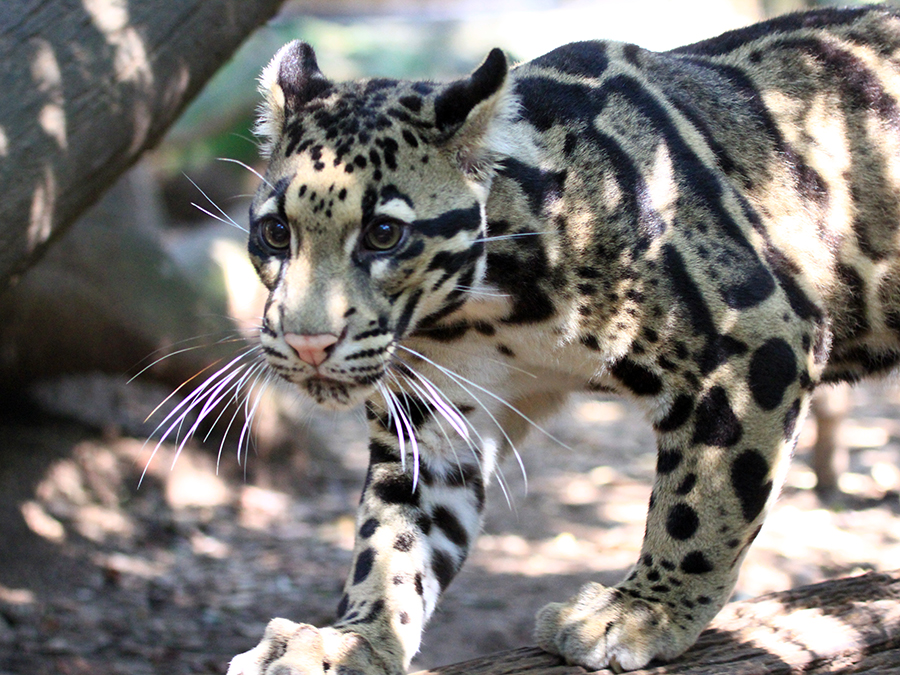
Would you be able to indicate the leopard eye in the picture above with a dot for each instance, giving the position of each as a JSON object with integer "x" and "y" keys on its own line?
{"x": 383, "y": 234}
{"x": 275, "y": 234}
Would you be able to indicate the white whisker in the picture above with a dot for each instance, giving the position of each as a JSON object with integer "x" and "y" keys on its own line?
{"x": 233, "y": 336}
{"x": 459, "y": 379}
{"x": 231, "y": 222}
{"x": 501, "y": 237}
{"x": 477, "y": 291}
{"x": 260, "y": 370}
{"x": 413, "y": 441}
{"x": 228, "y": 220}
{"x": 489, "y": 359}
{"x": 459, "y": 382}
{"x": 390, "y": 403}
{"x": 214, "y": 389}
{"x": 246, "y": 166}
{"x": 440, "y": 402}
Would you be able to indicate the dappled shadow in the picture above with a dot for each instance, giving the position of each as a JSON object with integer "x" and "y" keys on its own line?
{"x": 99, "y": 576}
{"x": 185, "y": 572}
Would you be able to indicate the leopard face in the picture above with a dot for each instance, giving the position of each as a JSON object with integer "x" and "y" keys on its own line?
{"x": 356, "y": 250}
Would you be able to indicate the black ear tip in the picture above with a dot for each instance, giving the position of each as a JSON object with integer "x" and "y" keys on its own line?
{"x": 489, "y": 76}
{"x": 496, "y": 56}
{"x": 298, "y": 58}
{"x": 495, "y": 64}
{"x": 298, "y": 74}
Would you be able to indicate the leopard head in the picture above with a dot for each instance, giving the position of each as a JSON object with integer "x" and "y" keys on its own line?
{"x": 370, "y": 221}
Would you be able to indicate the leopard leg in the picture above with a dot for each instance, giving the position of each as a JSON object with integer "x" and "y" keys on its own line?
{"x": 722, "y": 456}
{"x": 419, "y": 514}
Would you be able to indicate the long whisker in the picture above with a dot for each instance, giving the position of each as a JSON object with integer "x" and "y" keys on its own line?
{"x": 216, "y": 395}
{"x": 477, "y": 291}
{"x": 207, "y": 394}
{"x": 250, "y": 412}
{"x": 440, "y": 402}
{"x": 233, "y": 336}
{"x": 460, "y": 379}
{"x": 413, "y": 441}
{"x": 500, "y": 237}
{"x": 227, "y": 219}
{"x": 237, "y": 388}
{"x": 230, "y": 221}
{"x": 501, "y": 480}
{"x": 246, "y": 166}
{"x": 508, "y": 366}
{"x": 390, "y": 402}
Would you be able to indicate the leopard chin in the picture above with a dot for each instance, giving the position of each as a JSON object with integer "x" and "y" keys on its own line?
{"x": 334, "y": 394}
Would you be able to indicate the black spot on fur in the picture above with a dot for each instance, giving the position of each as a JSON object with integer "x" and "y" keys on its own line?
{"x": 448, "y": 333}
{"x": 539, "y": 187}
{"x": 687, "y": 484}
{"x": 858, "y": 320}
{"x": 696, "y": 563}
{"x": 380, "y": 453}
{"x": 773, "y": 368}
{"x": 506, "y": 351}
{"x": 749, "y": 473}
{"x": 682, "y": 522}
{"x": 364, "y": 562}
{"x": 720, "y": 350}
{"x": 376, "y": 610}
{"x": 412, "y": 103}
{"x": 638, "y": 378}
{"x": 668, "y": 460}
{"x": 715, "y": 422}
{"x": 678, "y": 414}
{"x": 368, "y": 528}
{"x": 404, "y": 541}
{"x": 687, "y": 291}
{"x": 578, "y": 58}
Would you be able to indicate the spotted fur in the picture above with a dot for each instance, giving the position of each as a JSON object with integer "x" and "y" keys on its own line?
{"x": 711, "y": 231}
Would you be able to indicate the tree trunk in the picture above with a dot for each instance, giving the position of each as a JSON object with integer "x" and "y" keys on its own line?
{"x": 86, "y": 87}
{"x": 846, "y": 626}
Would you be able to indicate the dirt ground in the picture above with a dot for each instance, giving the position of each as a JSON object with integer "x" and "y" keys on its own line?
{"x": 100, "y": 577}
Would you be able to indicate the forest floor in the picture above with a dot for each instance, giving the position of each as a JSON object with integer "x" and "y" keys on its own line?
{"x": 100, "y": 577}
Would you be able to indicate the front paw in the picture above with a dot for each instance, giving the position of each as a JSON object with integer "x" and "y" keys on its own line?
{"x": 289, "y": 648}
{"x": 604, "y": 627}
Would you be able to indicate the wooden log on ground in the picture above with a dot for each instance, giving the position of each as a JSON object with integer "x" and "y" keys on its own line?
{"x": 845, "y": 626}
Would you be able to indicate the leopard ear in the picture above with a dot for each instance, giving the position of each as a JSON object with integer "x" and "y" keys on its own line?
{"x": 472, "y": 113}
{"x": 291, "y": 80}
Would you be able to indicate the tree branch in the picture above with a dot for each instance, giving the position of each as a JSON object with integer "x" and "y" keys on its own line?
{"x": 87, "y": 86}
{"x": 847, "y": 626}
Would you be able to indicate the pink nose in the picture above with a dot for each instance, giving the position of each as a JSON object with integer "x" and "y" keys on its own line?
{"x": 311, "y": 349}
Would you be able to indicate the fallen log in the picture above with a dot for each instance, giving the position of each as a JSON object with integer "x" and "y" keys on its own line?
{"x": 849, "y": 625}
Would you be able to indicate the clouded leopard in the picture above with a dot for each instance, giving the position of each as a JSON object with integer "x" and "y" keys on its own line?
{"x": 711, "y": 231}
